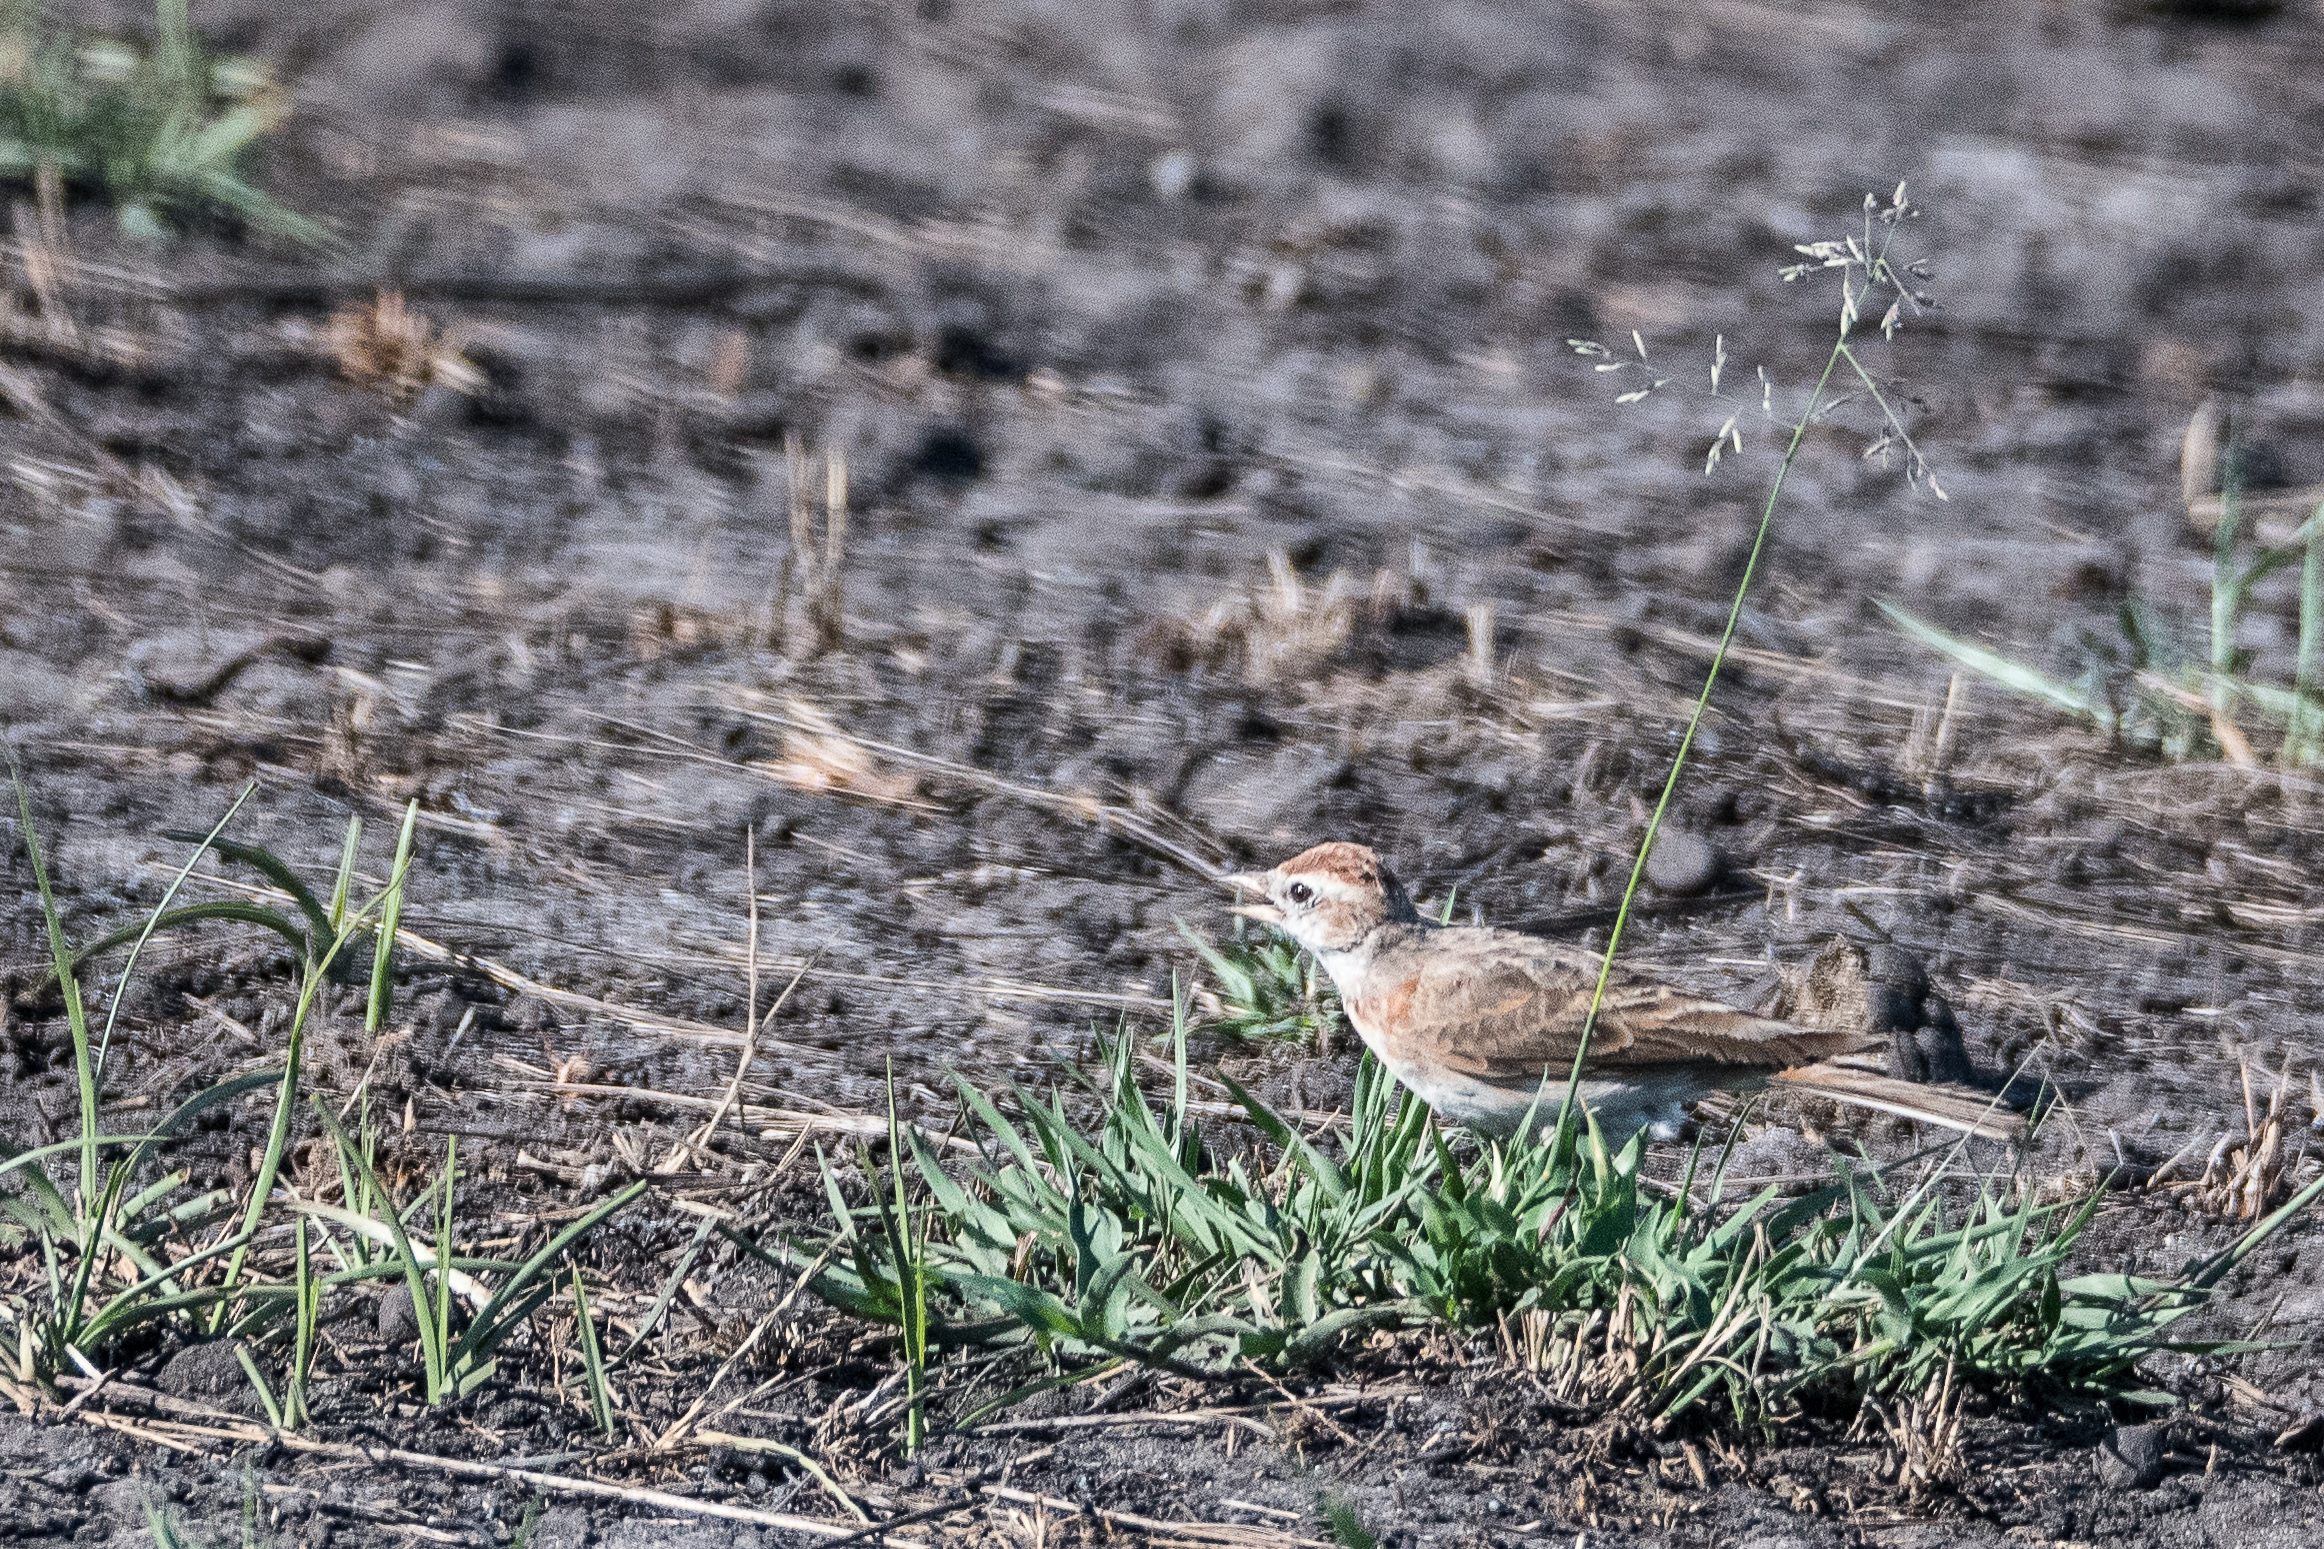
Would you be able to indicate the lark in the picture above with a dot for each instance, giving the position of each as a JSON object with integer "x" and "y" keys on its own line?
{"x": 1483, "y": 1024}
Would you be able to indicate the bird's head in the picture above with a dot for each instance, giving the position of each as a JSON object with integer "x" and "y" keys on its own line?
{"x": 1329, "y": 898}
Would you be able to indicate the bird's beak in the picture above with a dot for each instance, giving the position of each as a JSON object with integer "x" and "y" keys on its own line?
{"x": 1254, "y": 882}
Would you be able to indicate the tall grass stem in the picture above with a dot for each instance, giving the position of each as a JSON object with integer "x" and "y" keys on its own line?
{"x": 1694, "y": 724}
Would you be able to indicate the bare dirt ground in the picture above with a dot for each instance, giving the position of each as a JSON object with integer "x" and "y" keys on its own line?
{"x": 1136, "y": 326}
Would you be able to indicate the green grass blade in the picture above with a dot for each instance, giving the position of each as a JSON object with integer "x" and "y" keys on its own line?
{"x": 390, "y": 917}
{"x": 2226, "y": 589}
{"x": 443, "y": 1371}
{"x": 228, "y": 909}
{"x": 415, "y": 1278}
{"x": 278, "y": 1132}
{"x": 200, "y": 1103}
{"x": 2007, "y": 672}
{"x": 494, "y": 1321}
{"x": 1326, "y": 1172}
{"x": 76, "y": 1015}
{"x": 592, "y": 1359}
{"x": 1686, "y": 741}
{"x": 267, "y": 865}
{"x": 154, "y": 921}
{"x": 345, "y": 877}
{"x": 669, "y": 1292}
{"x": 304, "y": 1331}
{"x": 266, "y": 1399}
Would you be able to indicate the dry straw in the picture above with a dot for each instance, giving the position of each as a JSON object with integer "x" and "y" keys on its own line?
{"x": 813, "y": 570}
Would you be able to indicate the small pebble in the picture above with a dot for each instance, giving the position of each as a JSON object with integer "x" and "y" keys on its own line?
{"x": 1171, "y": 174}
{"x": 2131, "y": 1458}
{"x": 206, "y": 1370}
{"x": 1682, "y": 863}
{"x": 397, "y": 1324}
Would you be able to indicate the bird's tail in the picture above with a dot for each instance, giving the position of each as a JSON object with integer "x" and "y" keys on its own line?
{"x": 1955, "y": 1107}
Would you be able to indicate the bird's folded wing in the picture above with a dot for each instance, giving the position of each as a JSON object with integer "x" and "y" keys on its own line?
{"x": 1507, "y": 1012}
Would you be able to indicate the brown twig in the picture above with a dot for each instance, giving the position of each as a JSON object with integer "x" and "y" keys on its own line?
{"x": 750, "y": 1050}
{"x": 815, "y": 1470}
{"x": 1233, "y": 1534}
{"x": 923, "y": 1514}
{"x": 1174, "y": 1417}
{"x": 862, "y": 1125}
{"x": 561, "y": 1484}
{"x": 1301, "y": 1404}
{"x": 179, "y": 1436}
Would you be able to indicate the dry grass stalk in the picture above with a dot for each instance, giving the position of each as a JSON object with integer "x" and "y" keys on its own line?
{"x": 2199, "y": 453}
{"x": 41, "y": 246}
{"x": 1483, "y": 670}
{"x": 1287, "y": 629}
{"x": 1142, "y": 822}
{"x": 671, "y": 630}
{"x": 729, "y": 363}
{"x": 1925, "y": 1433}
{"x": 2244, "y": 1181}
{"x": 1525, "y": 1339}
{"x": 1928, "y": 748}
{"x": 389, "y": 346}
{"x": 756, "y": 1025}
{"x": 354, "y": 706}
{"x": 36, "y": 304}
{"x": 814, "y": 569}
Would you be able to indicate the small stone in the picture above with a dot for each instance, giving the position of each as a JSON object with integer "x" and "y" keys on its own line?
{"x": 206, "y": 1370}
{"x": 1171, "y": 174}
{"x": 1924, "y": 1036}
{"x": 2131, "y": 1458}
{"x": 398, "y": 1324}
{"x": 1682, "y": 863}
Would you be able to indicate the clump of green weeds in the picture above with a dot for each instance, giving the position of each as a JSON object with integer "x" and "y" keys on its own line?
{"x": 463, "y": 1320}
{"x": 1263, "y": 988}
{"x": 123, "y": 1251}
{"x": 1127, "y": 1238}
{"x": 159, "y": 131}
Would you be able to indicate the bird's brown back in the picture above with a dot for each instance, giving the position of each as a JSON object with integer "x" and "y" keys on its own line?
{"x": 1504, "y": 1007}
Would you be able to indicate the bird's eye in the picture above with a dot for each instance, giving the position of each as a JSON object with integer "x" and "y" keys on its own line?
{"x": 1299, "y": 892}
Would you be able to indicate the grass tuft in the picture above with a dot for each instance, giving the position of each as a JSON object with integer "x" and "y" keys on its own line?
{"x": 1341, "y": 1520}
{"x": 159, "y": 130}
{"x": 128, "y": 1253}
{"x": 814, "y": 567}
{"x": 394, "y": 349}
{"x": 1265, "y": 988}
{"x": 1129, "y": 1239}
